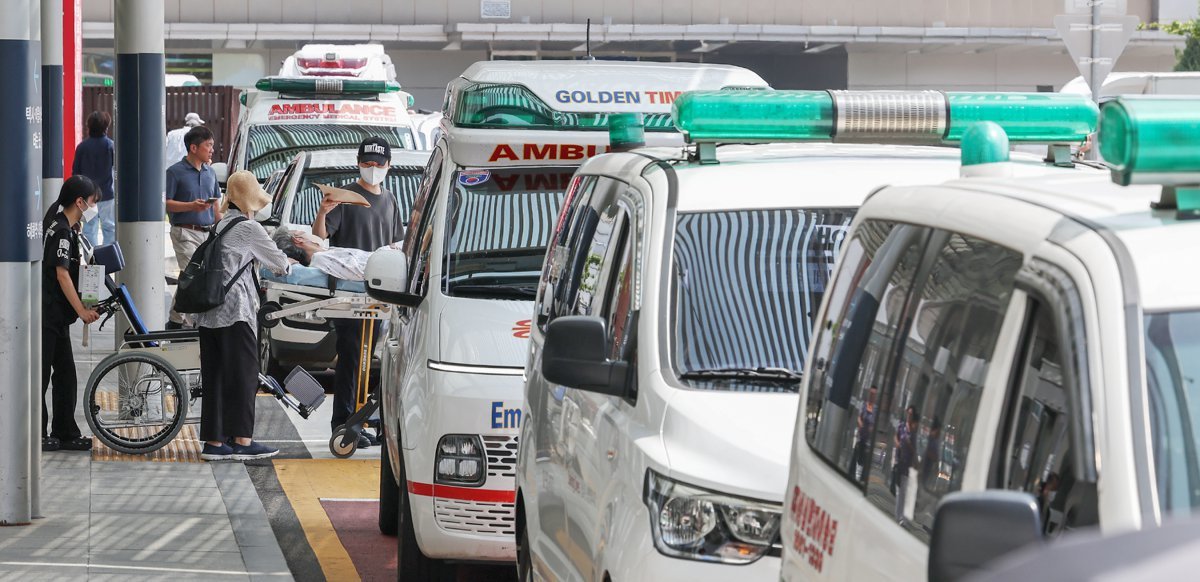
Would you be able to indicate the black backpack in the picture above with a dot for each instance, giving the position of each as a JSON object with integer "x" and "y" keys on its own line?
{"x": 200, "y": 284}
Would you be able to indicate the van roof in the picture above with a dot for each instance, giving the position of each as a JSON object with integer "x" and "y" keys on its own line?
{"x": 818, "y": 175}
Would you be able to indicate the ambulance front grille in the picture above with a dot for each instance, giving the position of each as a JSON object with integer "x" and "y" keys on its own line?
{"x": 501, "y": 456}
{"x": 498, "y": 519}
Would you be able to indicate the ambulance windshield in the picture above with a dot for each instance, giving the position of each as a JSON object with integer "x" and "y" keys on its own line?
{"x": 498, "y": 226}
{"x": 270, "y": 147}
{"x": 401, "y": 182}
{"x": 746, "y": 287}
{"x": 1172, "y": 366}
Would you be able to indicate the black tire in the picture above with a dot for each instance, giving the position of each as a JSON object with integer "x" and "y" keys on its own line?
{"x": 389, "y": 493}
{"x": 524, "y": 555}
{"x": 411, "y": 564}
{"x": 147, "y": 375}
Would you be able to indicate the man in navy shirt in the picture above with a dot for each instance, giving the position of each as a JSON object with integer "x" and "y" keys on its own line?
{"x": 192, "y": 192}
{"x": 94, "y": 159}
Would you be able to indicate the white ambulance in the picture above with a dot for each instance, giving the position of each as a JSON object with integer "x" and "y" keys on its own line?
{"x": 452, "y": 389}
{"x": 1003, "y": 358}
{"x": 288, "y": 115}
{"x": 676, "y": 311}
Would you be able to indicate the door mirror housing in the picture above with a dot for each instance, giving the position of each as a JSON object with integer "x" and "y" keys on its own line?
{"x": 575, "y": 355}
{"x": 387, "y": 278}
{"x": 974, "y": 529}
{"x": 221, "y": 169}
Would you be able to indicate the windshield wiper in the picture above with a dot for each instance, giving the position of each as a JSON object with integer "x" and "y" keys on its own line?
{"x": 505, "y": 291}
{"x": 760, "y": 373}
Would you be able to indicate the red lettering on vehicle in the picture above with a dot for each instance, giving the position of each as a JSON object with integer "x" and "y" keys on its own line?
{"x": 546, "y": 152}
{"x": 523, "y": 328}
{"x": 815, "y": 531}
{"x": 503, "y": 152}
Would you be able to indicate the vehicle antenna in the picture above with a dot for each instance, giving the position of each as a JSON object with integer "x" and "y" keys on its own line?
{"x": 588, "y": 42}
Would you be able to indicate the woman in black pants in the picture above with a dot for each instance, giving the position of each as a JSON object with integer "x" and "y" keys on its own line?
{"x": 61, "y": 306}
{"x": 228, "y": 344}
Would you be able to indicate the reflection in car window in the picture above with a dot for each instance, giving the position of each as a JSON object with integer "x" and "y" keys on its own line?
{"x": 1172, "y": 369}
{"x": 498, "y": 225}
{"x": 746, "y": 285}
{"x": 402, "y": 183}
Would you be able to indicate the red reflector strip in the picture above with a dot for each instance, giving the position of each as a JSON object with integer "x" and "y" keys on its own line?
{"x": 462, "y": 493}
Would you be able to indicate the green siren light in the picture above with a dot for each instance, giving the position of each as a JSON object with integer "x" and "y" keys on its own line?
{"x": 625, "y": 132}
{"x": 909, "y": 117}
{"x": 1155, "y": 140}
{"x": 326, "y": 86}
{"x": 984, "y": 142}
{"x": 504, "y": 106}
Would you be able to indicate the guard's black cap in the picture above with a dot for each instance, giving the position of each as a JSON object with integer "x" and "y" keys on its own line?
{"x": 374, "y": 149}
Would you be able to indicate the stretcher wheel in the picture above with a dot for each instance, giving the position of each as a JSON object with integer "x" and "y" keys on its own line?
{"x": 336, "y": 447}
{"x": 267, "y": 309}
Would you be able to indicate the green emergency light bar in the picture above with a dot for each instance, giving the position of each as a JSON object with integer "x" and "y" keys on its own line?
{"x": 326, "y": 86}
{"x": 909, "y": 117}
{"x": 505, "y": 106}
{"x": 1155, "y": 140}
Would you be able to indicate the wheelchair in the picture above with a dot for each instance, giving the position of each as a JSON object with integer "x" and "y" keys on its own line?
{"x": 138, "y": 398}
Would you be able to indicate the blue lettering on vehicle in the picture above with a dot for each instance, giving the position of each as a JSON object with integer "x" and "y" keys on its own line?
{"x": 505, "y": 417}
{"x": 599, "y": 97}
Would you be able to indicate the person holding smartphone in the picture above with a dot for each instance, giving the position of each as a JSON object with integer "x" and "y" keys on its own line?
{"x": 191, "y": 196}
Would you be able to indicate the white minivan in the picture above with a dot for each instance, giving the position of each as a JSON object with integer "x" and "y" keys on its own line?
{"x": 452, "y": 386}
{"x": 675, "y": 312}
{"x": 1004, "y": 358}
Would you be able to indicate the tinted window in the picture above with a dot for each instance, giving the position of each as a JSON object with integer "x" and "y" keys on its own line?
{"x": 599, "y": 262}
{"x": 955, "y": 322}
{"x": 855, "y": 346}
{"x": 1172, "y": 366}
{"x": 554, "y": 269}
{"x": 498, "y": 225}
{"x": 746, "y": 285}
{"x": 1039, "y": 457}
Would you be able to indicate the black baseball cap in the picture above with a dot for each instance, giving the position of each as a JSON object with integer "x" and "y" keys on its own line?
{"x": 374, "y": 149}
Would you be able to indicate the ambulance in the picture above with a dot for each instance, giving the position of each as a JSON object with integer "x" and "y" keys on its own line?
{"x": 676, "y": 309}
{"x": 359, "y": 61}
{"x": 288, "y": 115}
{"x": 514, "y": 133}
{"x": 1002, "y": 358}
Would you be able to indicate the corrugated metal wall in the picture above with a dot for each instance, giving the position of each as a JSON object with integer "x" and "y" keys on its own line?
{"x": 217, "y": 105}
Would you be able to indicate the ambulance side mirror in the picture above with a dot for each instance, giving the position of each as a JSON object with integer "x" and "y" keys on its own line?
{"x": 973, "y": 529}
{"x": 221, "y": 169}
{"x": 575, "y": 355}
{"x": 387, "y": 278}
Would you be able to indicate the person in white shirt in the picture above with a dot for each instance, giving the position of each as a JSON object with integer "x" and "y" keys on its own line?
{"x": 347, "y": 264}
{"x": 175, "y": 148}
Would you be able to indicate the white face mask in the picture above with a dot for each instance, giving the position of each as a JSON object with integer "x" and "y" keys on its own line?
{"x": 90, "y": 213}
{"x": 373, "y": 175}
{"x": 264, "y": 213}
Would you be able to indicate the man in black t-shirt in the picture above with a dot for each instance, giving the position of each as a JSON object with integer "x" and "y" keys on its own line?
{"x": 367, "y": 229}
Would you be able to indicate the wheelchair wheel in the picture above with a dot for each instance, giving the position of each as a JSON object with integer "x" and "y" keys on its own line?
{"x": 136, "y": 402}
{"x": 335, "y": 444}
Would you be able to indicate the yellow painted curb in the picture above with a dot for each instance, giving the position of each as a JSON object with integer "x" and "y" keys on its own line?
{"x": 306, "y": 482}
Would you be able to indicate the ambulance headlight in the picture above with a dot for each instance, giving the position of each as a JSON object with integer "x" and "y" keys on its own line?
{"x": 460, "y": 460}
{"x": 697, "y": 524}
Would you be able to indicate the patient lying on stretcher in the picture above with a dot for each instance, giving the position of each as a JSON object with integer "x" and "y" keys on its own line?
{"x": 317, "y": 264}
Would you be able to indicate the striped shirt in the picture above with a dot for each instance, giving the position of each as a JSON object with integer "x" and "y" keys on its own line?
{"x": 248, "y": 241}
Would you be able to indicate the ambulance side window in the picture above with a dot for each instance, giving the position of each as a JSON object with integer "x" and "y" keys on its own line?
{"x": 555, "y": 268}
{"x": 619, "y": 311}
{"x": 1038, "y": 457}
{"x": 598, "y": 263}
{"x": 955, "y": 321}
{"x": 855, "y": 345}
{"x": 420, "y": 226}
{"x": 579, "y": 264}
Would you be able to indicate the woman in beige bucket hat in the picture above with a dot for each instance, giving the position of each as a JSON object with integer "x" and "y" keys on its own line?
{"x": 228, "y": 343}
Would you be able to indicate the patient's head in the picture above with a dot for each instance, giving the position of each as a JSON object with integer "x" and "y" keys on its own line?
{"x": 288, "y": 244}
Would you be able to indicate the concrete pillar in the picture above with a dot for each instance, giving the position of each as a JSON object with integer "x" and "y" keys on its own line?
{"x": 52, "y": 179}
{"x": 140, "y": 131}
{"x": 20, "y": 242}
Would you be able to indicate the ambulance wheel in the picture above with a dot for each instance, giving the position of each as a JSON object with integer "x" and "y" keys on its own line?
{"x": 389, "y": 493}
{"x": 267, "y": 309}
{"x": 412, "y": 565}
{"x": 524, "y": 557}
{"x": 337, "y": 448}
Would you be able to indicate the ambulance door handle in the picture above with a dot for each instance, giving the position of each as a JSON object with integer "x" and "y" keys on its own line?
{"x": 820, "y": 364}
